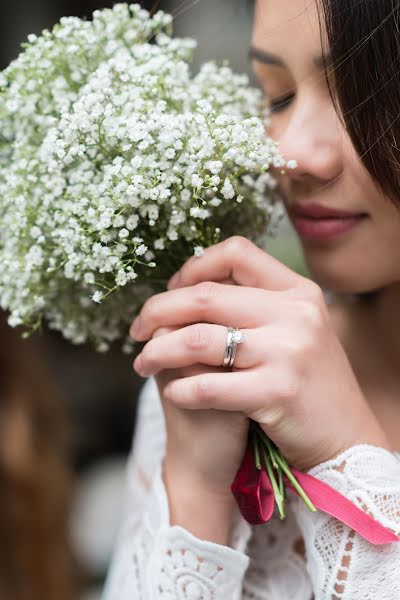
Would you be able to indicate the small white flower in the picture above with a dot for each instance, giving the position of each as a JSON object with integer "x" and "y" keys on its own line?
{"x": 35, "y": 232}
{"x": 198, "y": 250}
{"x": 141, "y": 249}
{"x": 121, "y": 278}
{"x": 215, "y": 166}
{"x": 97, "y": 297}
{"x": 132, "y": 222}
{"x": 227, "y": 190}
{"x": 159, "y": 244}
{"x": 291, "y": 164}
{"x": 195, "y": 211}
{"x": 196, "y": 180}
{"x": 14, "y": 320}
{"x": 89, "y": 278}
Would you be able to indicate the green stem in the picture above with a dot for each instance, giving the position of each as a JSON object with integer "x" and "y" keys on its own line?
{"x": 283, "y": 465}
{"x": 256, "y": 453}
{"x": 271, "y": 474}
{"x": 270, "y": 447}
{"x": 281, "y": 486}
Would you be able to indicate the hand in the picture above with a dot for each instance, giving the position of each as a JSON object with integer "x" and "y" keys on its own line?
{"x": 204, "y": 447}
{"x": 204, "y": 450}
{"x": 291, "y": 373}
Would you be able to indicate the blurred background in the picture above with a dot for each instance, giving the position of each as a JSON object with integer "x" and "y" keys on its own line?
{"x": 67, "y": 414}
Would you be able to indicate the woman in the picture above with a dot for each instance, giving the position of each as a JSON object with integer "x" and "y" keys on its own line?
{"x": 321, "y": 377}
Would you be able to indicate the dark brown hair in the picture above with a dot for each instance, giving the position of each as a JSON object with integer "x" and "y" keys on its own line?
{"x": 35, "y": 484}
{"x": 363, "y": 40}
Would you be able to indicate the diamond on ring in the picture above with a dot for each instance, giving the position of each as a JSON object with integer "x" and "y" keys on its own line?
{"x": 238, "y": 336}
{"x": 234, "y": 337}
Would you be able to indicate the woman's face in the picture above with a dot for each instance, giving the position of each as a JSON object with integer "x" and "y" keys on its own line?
{"x": 286, "y": 50}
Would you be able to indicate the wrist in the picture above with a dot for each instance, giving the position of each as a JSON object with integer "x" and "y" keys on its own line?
{"x": 375, "y": 436}
{"x": 205, "y": 510}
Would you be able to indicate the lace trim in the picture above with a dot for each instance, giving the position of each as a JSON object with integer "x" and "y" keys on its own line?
{"x": 277, "y": 569}
{"x": 342, "y": 565}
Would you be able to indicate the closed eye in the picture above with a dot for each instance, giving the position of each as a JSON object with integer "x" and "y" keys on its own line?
{"x": 281, "y": 104}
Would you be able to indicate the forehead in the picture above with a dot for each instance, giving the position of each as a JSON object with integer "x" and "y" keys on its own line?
{"x": 286, "y": 26}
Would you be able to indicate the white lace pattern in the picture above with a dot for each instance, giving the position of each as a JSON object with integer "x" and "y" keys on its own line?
{"x": 342, "y": 565}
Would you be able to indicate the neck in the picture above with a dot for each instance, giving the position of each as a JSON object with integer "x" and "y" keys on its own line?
{"x": 384, "y": 308}
{"x": 380, "y": 315}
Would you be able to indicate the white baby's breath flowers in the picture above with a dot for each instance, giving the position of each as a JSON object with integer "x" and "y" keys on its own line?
{"x": 116, "y": 165}
{"x": 198, "y": 251}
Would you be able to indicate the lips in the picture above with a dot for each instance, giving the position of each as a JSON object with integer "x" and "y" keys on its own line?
{"x": 318, "y": 222}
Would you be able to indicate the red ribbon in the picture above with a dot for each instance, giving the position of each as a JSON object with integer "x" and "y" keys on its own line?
{"x": 255, "y": 497}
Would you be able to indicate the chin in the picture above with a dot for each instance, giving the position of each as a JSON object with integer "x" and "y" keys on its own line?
{"x": 341, "y": 275}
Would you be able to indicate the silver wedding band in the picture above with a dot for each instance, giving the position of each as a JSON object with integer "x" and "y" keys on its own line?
{"x": 234, "y": 337}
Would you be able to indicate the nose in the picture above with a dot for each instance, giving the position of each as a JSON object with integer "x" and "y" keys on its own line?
{"x": 311, "y": 134}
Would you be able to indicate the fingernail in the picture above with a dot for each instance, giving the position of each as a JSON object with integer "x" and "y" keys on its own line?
{"x": 135, "y": 327}
{"x": 174, "y": 280}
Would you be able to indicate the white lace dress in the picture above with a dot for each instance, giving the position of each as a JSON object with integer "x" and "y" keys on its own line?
{"x": 153, "y": 560}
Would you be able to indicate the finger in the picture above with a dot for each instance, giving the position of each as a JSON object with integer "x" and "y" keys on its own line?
{"x": 207, "y": 302}
{"x": 199, "y": 343}
{"x": 239, "y": 259}
{"x": 166, "y": 375}
{"x": 231, "y": 391}
{"x": 260, "y": 394}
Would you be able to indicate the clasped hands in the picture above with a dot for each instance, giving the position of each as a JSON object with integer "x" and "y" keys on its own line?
{"x": 291, "y": 374}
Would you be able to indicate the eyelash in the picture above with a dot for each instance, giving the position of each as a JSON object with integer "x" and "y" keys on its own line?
{"x": 280, "y": 105}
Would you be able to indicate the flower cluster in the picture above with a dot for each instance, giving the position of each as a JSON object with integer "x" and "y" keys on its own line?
{"x": 116, "y": 164}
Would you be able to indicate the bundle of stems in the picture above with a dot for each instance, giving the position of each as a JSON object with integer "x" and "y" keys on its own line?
{"x": 268, "y": 456}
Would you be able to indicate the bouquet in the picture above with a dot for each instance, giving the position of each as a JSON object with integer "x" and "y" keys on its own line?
{"x": 116, "y": 165}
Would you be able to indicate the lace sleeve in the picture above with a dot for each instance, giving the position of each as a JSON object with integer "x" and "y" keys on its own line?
{"x": 153, "y": 560}
{"x": 341, "y": 564}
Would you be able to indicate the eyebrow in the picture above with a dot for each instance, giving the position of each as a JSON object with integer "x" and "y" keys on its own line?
{"x": 272, "y": 59}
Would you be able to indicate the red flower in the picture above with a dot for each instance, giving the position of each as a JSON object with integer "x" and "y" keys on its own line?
{"x": 253, "y": 490}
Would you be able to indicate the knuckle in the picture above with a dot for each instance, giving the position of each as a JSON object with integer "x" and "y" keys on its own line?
{"x": 204, "y": 390}
{"x": 298, "y": 349}
{"x": 205, "y": 292}
{"x": 311, "y": 315}
{"x": 197, "y": 337}
{"x": 314, "y": 293}
{"x": 294, "y": 349}
{"x": 238, "y": 243}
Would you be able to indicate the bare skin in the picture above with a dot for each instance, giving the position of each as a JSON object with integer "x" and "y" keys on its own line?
{"x": 357, "y": 330}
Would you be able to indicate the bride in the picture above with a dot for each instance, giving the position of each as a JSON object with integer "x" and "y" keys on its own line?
{"x": 319, "y": 372}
